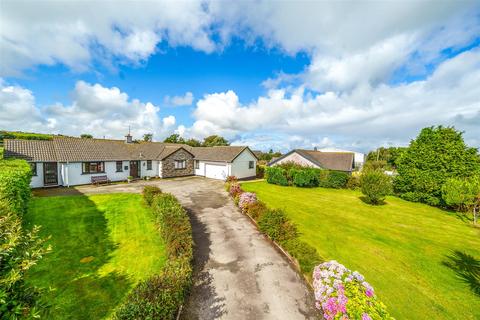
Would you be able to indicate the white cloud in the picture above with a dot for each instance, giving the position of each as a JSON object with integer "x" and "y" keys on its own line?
{"x": 363, "y": 118}
{"x": 94, "y": 109}
{"x": 177, "y": 101}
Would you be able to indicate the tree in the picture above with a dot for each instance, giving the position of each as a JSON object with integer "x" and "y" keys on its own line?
{"x": 215, "y": 141}
{"x": 86, "y": 136}
{"x": 437, "y": 154}
{"x": 174, "y": 138}
{"x": 375, "y": 185}
{"x": 148, "y": 137}
{"x": 463, "y": 194}
{"x": 193, "y": 142}
{"x": 389, "y": 155}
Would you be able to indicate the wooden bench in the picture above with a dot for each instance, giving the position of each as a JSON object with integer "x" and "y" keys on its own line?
{"x": 99, "y": 179}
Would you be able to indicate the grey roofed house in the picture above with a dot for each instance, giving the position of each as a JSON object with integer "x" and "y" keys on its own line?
{"x": 72, "y": 161}
{"x": 339, "y": 161}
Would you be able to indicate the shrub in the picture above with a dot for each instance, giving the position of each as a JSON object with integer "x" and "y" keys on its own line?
{"x": 463, "y": 195}
{"x": 20, "y": 249}
{"x": 232, "y": 179}
{"x": 235, "y": 190}
{"x": 420, "y": 197}
{"x": 375, "y": 186}
{"x": 437, "y": 154}
{"x": 255, "y": 209}
{"x": 343, "y": 294}
{"x": 260, "y": 171}
{"x": 149, "y": 193}
{"x": 245, "y": 199}
{"x": 277, "y": 226}
{"x": 306, "y": 255}
{"x": 305, "y": 177}
{"x": 333, "y": 179}
{"x": 276, "y": 175}
{"x": 161, "y": 296}
{"x": 289, "y": 165}
{"x": 353, "y": 182}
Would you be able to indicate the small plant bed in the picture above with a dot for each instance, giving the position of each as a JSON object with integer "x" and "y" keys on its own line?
{"x": 102, "y": 246}
{"x": 421, "y": 260}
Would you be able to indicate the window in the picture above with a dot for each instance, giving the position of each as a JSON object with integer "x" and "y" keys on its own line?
{"x": 33, "y": 167}
{"x": 251, "y": 164}
{"x": 119, "y": 166}
{"x": 92, "y": 167}
{"x": 180, "y": 164}
{"x": 197, "y": 164}
{"x": 149, "y": 164}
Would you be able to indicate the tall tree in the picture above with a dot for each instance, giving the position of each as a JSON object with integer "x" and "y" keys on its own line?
{"x": 86, "y": 136}
{"x": 148, "y": 137}
{"x": 437, "y": 154}
{"x": 174, "y": 138}
{"x": 215, "y": 140}
{"x": 193, "y": 142}
{"x": 463, "y": 194}
{"x": 390, "y": 155}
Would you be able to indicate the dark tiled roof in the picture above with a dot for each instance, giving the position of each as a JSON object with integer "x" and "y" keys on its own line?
{"x": 63, "y": 149}
{"x": 340, "y": 161}
{"x": 30, "y": 150}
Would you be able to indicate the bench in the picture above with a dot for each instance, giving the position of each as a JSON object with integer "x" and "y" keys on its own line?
{"x": 99, "y": 179}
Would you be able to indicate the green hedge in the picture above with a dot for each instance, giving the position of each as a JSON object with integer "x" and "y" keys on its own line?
{"x": 149, "y": 192}
{"x": 15, "y": 176}
{"x": 277, "y": 226}
{"x": 306, "y": 177}
{"x": 333, "y": 179}
{"x": 276, "y": 175}
{"x": 161, "y": 296}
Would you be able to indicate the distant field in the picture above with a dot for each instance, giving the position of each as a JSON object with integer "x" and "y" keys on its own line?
{"x": 102, "y": 246}
{"x": 400, "y": 247}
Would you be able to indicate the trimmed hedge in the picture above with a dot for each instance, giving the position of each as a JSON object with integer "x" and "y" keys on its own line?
{"x": 333, "y": 179}
{"x": 15, "y": 176}
{"x": 161, "y": 296}
{"x": 278, "y": 227}
{"x": 306, "y": 177}
{"x": 276, "y": 175}
{"x": 149, "y": 192}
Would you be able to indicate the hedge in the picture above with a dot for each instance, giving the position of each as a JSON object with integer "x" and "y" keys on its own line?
{"x": 149, "y": 192}
{"x": 278, "y": 227}
{"x": 306, "y": 177}
{"x": 15, "y": 176}
{"x": 161, "y": 296}
{"x": 276, "y": 175}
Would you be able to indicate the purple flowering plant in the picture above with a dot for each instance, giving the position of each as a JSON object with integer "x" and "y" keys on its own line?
{"x": 344, "y": 294}
{"x": 245, "y": 199}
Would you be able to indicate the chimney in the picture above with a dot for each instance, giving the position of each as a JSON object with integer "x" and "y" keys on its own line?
{"x": 315, "y": 149}
{"x": 128, "y": 138}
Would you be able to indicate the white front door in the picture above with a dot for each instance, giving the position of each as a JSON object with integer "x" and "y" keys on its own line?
{"x": 216, "y": 171}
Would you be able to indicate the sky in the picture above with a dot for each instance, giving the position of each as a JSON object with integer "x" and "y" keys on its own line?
{"x": 292, "y": 74}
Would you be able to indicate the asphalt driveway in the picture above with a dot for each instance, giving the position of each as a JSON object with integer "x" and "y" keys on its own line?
{"x": 238, "y": 274}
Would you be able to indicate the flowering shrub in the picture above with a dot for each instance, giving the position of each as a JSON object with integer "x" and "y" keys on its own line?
{"x": 245, "y": 199}
{"x": 343, "y": 294}
{"x": 235, "y": 190}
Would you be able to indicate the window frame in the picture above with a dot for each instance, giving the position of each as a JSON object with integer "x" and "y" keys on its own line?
{"x": 251, "y": 164}
{"x": 33, "y": 168}
{"x": 182, "y": 166}
{"x": 149, "y": 165}
{"x": 121, "y": 166}
{"x": 88, "y": 164}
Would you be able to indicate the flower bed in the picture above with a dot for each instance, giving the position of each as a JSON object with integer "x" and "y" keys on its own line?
{"x": 343, "y": 294}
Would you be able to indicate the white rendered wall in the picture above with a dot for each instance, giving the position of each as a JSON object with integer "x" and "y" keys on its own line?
{"x": 75, "y": 176}
{"x": 240, "y": 166}
{"x": 149, "y": 173}
{"x": 37, "y": 181}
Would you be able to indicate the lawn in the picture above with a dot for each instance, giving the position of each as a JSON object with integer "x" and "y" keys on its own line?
{"x": 102, "y": 246}
{"x": 400, "y": 247}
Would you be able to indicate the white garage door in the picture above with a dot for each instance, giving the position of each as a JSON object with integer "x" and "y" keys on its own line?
{"x": 216, "y": 171}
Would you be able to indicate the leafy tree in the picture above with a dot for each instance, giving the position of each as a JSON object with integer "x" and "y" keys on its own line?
{"x": 193, "y": 143}
{"x": 86, "y": 136}
{"x": 375, "y": 165}
{"x": 375, "y": 185}
{"x": 389, "y": 155}
{"x": 463, "y": 194}
{"x": 437, "y": 154}
{"x": 215, "y": 141}
{"x": 174, "y": 138}
{"x": 148, "y": 137}
{"x": 269, "y": 156}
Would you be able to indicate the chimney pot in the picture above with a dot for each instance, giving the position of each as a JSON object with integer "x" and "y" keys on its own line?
{"x": 128, "y": 138}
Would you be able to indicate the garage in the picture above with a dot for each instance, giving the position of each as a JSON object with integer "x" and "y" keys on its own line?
{"x": 216, "y": 171}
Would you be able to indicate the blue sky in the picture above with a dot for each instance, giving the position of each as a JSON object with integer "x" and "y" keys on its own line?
{"x": 352, "y": 75}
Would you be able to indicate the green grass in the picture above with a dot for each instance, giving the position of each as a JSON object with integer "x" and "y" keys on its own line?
{"x": 116, "y": 232}
{"x": 400, "y": 247}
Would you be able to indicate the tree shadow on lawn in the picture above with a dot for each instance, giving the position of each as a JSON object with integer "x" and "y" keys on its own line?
{"x": 467, "y": 268}
{"x": 81, "y": 246}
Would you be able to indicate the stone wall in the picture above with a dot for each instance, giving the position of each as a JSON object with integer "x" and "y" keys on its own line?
{"x": 168, "y": 165}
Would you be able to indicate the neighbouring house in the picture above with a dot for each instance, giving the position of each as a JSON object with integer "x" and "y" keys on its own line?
{"x": 67, "y": 161}
{"x": 339, "y": 161}
{"x": 359, "y": 157}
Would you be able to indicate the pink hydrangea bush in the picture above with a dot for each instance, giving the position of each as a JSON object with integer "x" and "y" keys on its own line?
{"x": 245, "y": 199}
{"x": 343, "y": 294}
